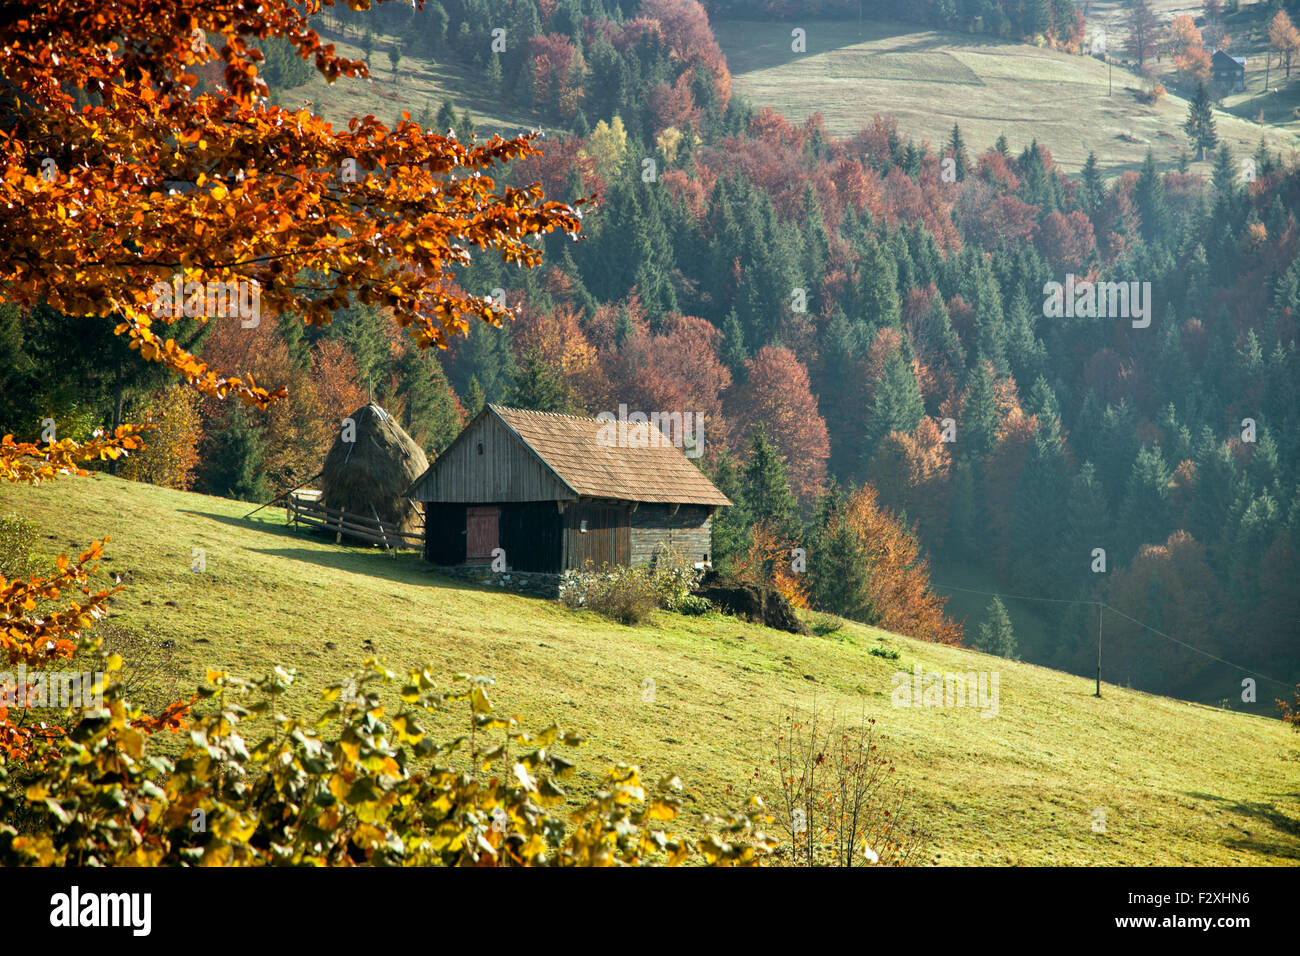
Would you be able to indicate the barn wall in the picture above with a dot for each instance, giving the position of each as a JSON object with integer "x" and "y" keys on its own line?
{"x": 689, "y": 532}
{"x": 606, "y": 540}
{"x": 444, "y": 533}
{"x": 505, "y": 470}
{"x": 532, "y": 535}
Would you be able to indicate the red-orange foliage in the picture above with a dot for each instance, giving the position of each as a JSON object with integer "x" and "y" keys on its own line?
{"x": 334, "y": 377}
{"x": 776, "y": 393}
{"x": 673, "y": 105}
{"x": 1066, "y": 241}
{"x": 558, "y": 337}
{"x": 677, "y": 370}
{"x": 998, "y": 170}
{"x": 155, "y": 178}
{"x": 898, "y": 574}
{"x": 1188, "y": 589}
{"x": 988, "y": 218}
{"x": 767, "y": 563}
{"x": 552, "y": 165}
{"x": 557, "y": 73}
{"x": 911, "y": 473}
{"x": 36, "y": 636}
{"x": 685, "y": 26}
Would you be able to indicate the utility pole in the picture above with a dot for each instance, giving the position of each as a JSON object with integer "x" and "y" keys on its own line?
{"x": 1100, "y": 606}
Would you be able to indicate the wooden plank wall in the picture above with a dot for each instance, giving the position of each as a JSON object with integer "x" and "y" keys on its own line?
{"x": 606, "y": 540}
{"x": 689, "y": 532}
{"x": 503, "y": 470}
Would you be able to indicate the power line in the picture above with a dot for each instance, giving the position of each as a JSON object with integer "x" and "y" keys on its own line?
{"x": 1190, "y": 647}
{"x": 1017, "y": 597}
{"x": 1103, "y": 604}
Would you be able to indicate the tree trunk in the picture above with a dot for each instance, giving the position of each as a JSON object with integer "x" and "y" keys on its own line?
{"x": 117, "y": 410}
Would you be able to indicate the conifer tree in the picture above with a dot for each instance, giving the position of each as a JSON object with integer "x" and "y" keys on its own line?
{"x": 897, "y": 406}
{"x": 474, "y": 399}
{"x": 1200, "y": 122}
{"x": 730, "y": 528}
{"x": 836, "y": 565}
{"x": 995, "y": 634}
{"x": 536, "y": 386}
{"x": 232, "y": 458}
{"x": 767, "y": 494}
{"x": 1147, "y": 515}
{"x": 1149, "y": 194}
{"x": 957, "y": 150}
{"x": 978, "y": 429}
{"x": 1093, "y": 187}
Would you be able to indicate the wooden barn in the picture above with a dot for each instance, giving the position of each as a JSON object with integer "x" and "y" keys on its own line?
{"x": 553, "y": 492}
{"x": 1229, "y": 71}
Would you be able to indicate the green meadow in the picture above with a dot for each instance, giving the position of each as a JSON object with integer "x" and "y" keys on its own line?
{"x": 929, "y": 80}
{"x": 1177, "y": 783}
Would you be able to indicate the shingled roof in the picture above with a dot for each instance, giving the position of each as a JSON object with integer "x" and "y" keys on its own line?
{"x": 560, "y": 458}
{"x": 570, "y": 446}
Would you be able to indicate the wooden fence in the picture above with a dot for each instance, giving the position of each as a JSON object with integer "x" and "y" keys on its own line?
{"x": 304, "y": 507}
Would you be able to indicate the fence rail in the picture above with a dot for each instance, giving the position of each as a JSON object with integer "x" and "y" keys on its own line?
{"x": 304, "y": 507}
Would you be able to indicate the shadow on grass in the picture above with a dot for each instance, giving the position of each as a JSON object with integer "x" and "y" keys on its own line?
{"x": 406, "y": 567}
{"x": 761, "y": 45}
{"x": 1257, "y": 814}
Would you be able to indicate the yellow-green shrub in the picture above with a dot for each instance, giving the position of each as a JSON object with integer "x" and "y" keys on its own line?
{"x": 354, "y": 786}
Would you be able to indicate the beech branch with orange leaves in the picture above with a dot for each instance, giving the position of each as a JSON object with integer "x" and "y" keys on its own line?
{"x": 158, "y": 180}
{"x": 155, "y": 180}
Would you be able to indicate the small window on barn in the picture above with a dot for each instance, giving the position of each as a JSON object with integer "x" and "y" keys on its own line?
{"x": 480, "y": 448}
{"x": 582, "y": 527}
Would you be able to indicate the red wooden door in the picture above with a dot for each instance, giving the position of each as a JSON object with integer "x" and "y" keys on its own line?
{"x": 481, "y": 532}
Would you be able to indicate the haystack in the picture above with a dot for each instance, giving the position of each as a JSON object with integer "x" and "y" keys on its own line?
{"x": 369, "y": 476}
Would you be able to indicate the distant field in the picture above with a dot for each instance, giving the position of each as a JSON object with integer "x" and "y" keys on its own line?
{"x": 1179, "y": 783}
{"x": 930, "y": 80}
{"x": 419, "y": 82}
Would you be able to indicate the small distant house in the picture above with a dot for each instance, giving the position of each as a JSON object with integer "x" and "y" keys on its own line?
{"x": 553, "y": 492}
{"x": 1228, "y": 71}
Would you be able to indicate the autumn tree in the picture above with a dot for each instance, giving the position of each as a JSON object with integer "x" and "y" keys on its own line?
{"x": 1284, "y": 38}
{"x": 222, "y": 187}
{"x": 776, "y": 392}
{"x": 172, "y": 452}
{"x": 134, "y": 208}
{"x": 1182, "y": 35}
{"x": 1143, "y": 30}
{"x": 898, "y": 574}
{"x": 1193, "y": 65}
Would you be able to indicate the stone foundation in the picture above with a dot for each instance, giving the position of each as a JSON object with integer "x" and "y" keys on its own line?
{"x": 534, "y": 583}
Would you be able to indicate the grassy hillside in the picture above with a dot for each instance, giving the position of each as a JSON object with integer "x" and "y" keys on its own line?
{"x": 419, "y": 82}
{"x": 930, "y": 80}
{"x": 1179, "y": 783}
